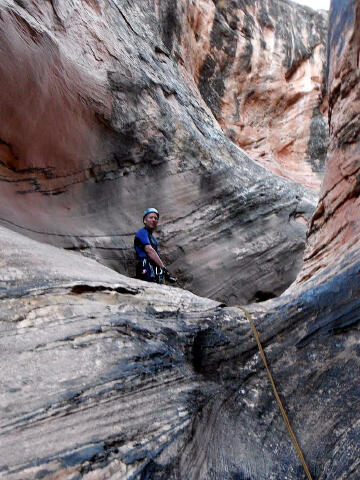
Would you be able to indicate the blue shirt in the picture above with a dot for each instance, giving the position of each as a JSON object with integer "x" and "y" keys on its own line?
{"x": 142, "y": 238}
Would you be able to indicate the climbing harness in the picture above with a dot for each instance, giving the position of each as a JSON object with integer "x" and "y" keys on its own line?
{"x": 282, "y": 409}
{"x": 146, "y": 270}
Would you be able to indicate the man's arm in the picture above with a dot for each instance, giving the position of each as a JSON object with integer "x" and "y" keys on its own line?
{"x": 151, "y": 253}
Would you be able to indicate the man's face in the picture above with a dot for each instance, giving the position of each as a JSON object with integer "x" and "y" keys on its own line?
{"x": 151, "y": 221}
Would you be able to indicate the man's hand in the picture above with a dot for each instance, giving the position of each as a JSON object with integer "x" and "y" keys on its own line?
{"x": 170, "y": 278}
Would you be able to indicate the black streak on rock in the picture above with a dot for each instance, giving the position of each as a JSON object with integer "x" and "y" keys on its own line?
{"x": 170, "y": 23}
{"x": 206, "y": 340}
{"x": 318, "y": 142}
{"x": 341, "y": 292}
{"x": 212, "y": 78}
{"x": 83, "y": 288}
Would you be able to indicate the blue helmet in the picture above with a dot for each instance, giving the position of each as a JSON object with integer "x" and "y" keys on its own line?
{"x": 151, "y": 210}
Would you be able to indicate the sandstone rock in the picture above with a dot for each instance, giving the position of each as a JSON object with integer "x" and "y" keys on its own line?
{"x": 107, "y": 377}
{"x": 334, "y": 229}
{"x": 80, "y": 353}
{"x": 260, "y": 67}
{"x": 101, "y": 120}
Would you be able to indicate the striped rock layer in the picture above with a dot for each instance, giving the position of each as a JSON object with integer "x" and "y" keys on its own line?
{"x": 107, "y": 377}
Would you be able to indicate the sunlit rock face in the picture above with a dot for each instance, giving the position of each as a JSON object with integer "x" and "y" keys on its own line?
{"x": 101, "y": 118}
{"x": 334, "y": 229}
{"x": 260, "y": 67}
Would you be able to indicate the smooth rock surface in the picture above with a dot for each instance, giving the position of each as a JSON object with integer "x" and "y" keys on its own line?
{"x": 101, "y": 120}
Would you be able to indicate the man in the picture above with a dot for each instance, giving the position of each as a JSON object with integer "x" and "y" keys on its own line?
{"x": 149, "y": 265}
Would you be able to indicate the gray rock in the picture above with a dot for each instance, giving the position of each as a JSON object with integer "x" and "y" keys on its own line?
{"x": 104, "y": 376}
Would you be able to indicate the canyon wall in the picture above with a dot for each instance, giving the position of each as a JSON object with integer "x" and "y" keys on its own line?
{"x": 107, "y": 377}
{"x": 333, "y": 231}
{"x": 260, "y": 67}
{"x": 101, "y": 118}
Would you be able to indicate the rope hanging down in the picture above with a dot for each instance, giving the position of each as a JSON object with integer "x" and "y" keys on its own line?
{"x": 283, "y": 413}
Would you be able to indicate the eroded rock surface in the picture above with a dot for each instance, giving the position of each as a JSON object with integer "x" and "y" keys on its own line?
{"x": 101, "y": 120}
{"x": 107, "y": 377}
{"x": 260, "y": 67}
{"x": 334, "y": 229}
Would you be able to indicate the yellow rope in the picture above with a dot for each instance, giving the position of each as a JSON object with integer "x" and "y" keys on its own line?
{"x": 285, "y": 417}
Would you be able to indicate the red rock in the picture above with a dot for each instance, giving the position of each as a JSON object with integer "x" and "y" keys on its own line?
{"x": 334, "y": 229}
{"x": 260, "y": 68}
